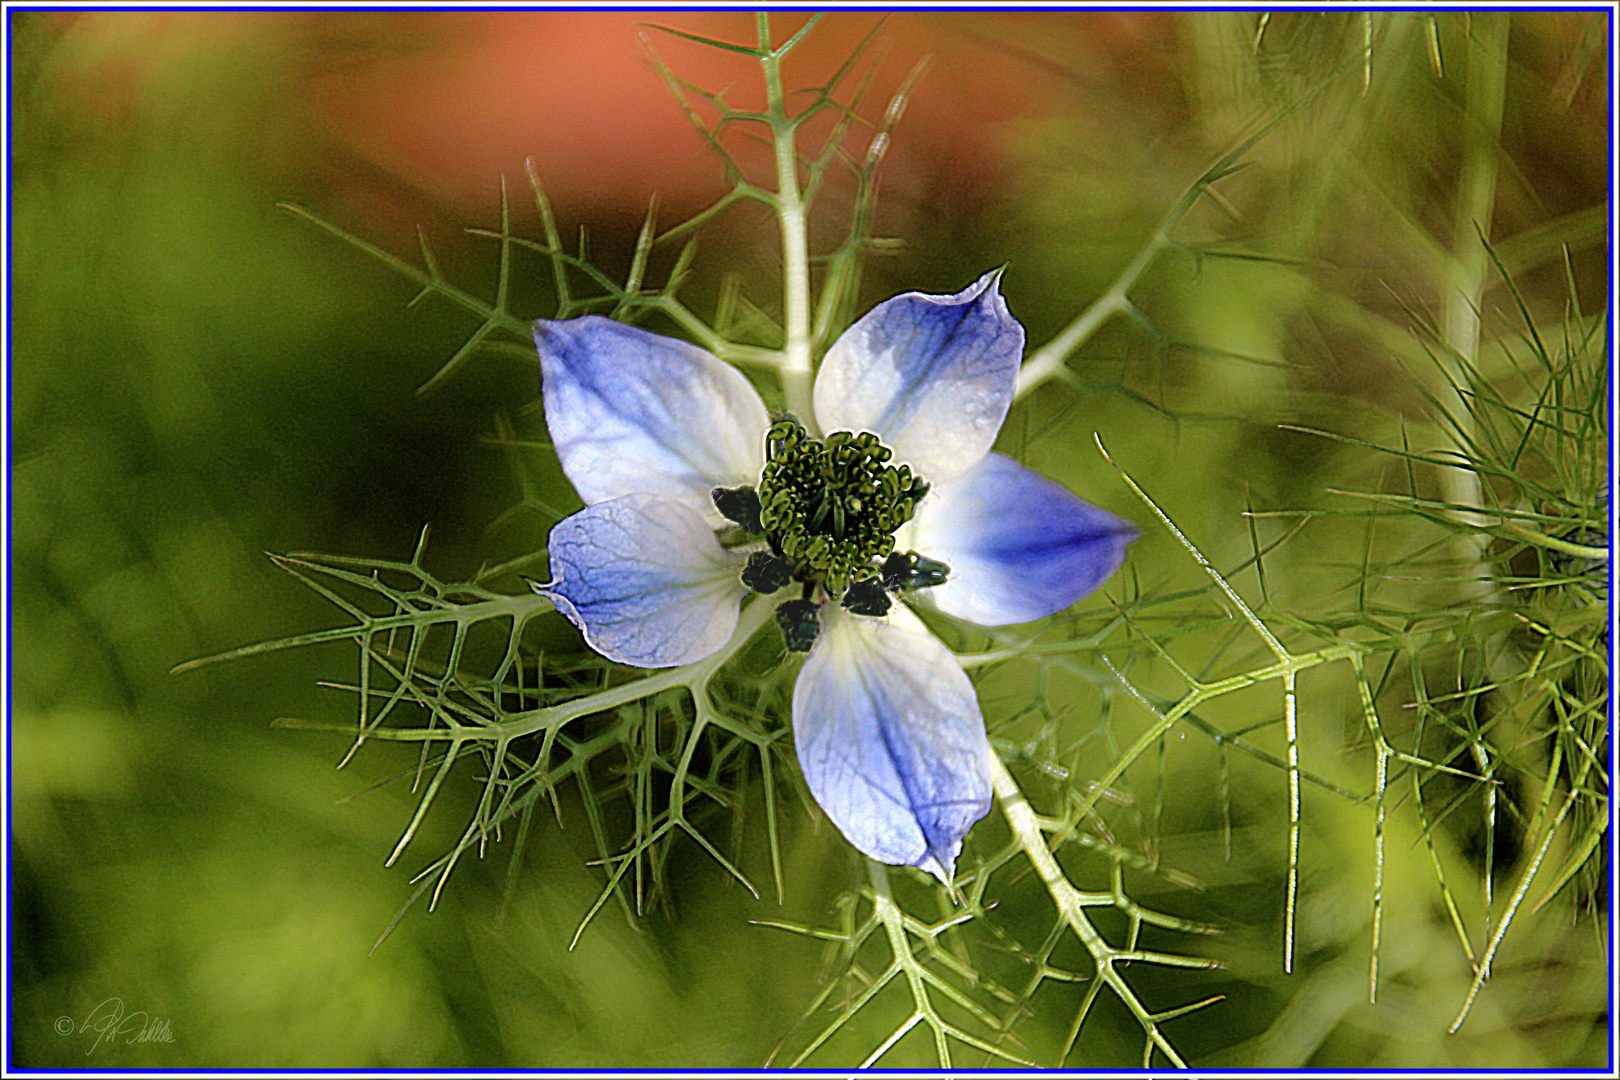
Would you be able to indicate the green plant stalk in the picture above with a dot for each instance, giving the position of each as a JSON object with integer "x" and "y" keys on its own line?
{"x": 796, "y": 367}
{"x": 1288, "y": 669}
{"x": 1050, "y": 360}
{"x": 1026, "y": 828}
{"x": 1485, "y": 95}
{"x": 695, "y": 677}
{"x": 1476, "y": 198}
{"x": 894, "y": 927}
{"x": 1482, "y": 969}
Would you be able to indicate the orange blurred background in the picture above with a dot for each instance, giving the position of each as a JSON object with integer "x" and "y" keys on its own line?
{"x": 420, "y": 112}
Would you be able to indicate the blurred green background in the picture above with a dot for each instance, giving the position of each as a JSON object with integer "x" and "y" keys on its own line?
{"x": 198, "y": 378}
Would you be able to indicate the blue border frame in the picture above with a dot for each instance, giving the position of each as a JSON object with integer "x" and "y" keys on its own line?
{"x": 6, "y": 654}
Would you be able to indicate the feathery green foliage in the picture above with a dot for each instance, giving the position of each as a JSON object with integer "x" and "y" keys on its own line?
{"x": 1342, "y": 721}
{"x": 1522, "y": 644}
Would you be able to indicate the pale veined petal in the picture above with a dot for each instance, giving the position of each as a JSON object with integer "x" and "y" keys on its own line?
{"x": 645, "y": 581}
{"x": 634, "y": 412}
{"x": 1019, "y": 546}
{"x": 932, "y": 376}
{"x": 891, "y": 739}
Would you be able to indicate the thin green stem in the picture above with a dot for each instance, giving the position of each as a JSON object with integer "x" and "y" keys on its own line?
{"x": 1531, "y": 536}
{"x": 1291, "y": 728}
{"x": 1048, "y": 361}
{"x": 694, "y": 677}
{"x": 894, "y": 927}
{"x": 796, "y": 348}
{"x": 1476, "y": 198}
{"x": 1026, "y": 828}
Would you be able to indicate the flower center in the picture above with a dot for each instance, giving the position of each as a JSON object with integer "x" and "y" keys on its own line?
{"x": 832, "y": 506}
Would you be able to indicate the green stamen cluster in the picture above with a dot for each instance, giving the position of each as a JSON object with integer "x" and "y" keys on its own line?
{"x": 832, "y": 506}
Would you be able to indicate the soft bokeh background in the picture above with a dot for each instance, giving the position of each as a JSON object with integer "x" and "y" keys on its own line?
{"x": 198, "y": 378}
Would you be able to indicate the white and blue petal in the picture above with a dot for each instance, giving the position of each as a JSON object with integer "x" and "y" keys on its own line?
{"x": 645, "y": 581}
{"x": 891, "y": 739}
{"x": 1019, "y": 546}
{"x": 932, "y": 376}
{"x": 635, "y": 412}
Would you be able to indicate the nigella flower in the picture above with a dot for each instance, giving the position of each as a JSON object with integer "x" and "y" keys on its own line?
{"x": 696, "y": 497}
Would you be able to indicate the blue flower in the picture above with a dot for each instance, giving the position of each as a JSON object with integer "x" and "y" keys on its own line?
{"x": 696, "y": 497}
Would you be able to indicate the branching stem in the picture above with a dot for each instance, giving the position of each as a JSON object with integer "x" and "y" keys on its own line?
{"x": 694, "y": 677}
{"x": 796, "y": 352}
{"x": 1070, "y": 904}
{"x": 1049, "y": 360}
